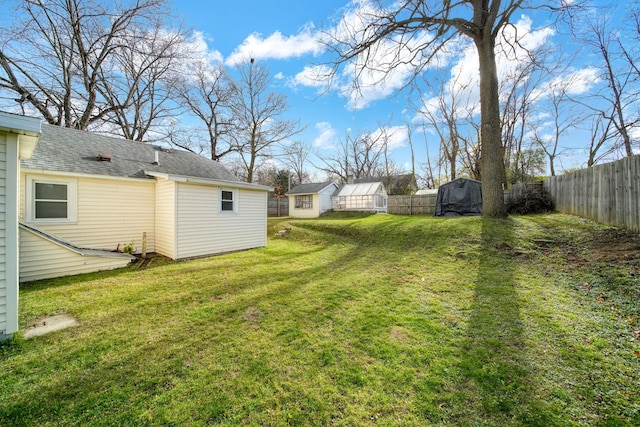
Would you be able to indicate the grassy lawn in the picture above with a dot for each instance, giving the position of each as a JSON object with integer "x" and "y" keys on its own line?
{"x": 378, "y": 320}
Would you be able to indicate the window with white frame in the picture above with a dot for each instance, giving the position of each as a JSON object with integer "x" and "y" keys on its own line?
{"x": 304, "y": 201}
{"x": 228, "y": 202}
{"x": 50, "y": 199}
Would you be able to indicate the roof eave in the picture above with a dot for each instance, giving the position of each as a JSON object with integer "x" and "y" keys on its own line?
{"x": 205, "y": 181}
{"x": 28, "y": 129}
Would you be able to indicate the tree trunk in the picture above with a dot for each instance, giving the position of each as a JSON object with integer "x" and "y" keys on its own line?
{"x": 492, "y": 152}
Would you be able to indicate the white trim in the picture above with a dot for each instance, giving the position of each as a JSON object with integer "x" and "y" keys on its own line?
{"x": 82, "y": 175}
{"x": 204, "y": 181}
{"x": 235, "y": 195}
{"x": 11, "y": 239}
{"x": 72, "y": 199}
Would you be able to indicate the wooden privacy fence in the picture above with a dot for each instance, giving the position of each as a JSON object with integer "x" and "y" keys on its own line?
{"x": 607, "y": 193}
{"x": 278, "y": 206}
{"x": 412, "y": 205}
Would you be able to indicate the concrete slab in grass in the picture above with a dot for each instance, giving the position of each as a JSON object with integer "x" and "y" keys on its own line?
{"x": 50, "y": 324}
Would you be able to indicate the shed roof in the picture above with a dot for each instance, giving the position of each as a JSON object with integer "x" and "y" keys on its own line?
{"x": 362, "y": 189}
{"x": 69, "y": 150}
{"x": 311, "y": 188}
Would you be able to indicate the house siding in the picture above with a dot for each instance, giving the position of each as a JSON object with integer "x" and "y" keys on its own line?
{"x": 165, "y": 225}
{"x": 43, "y": 259}
{"x": 110, "y": 212}
{"x": 314, "y": 212}
{"x": 203, "y": 230}
{"x": 3, "y": 235}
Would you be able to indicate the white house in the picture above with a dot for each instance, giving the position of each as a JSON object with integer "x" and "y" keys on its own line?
{"x": 18, "y": 138}
{"x": 84, "y": 196}
{"x": 311, "y": 200}
{"x": 368, "y": 197}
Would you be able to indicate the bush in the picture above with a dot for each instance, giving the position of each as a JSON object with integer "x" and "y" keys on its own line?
{"x": 532, "y": 201}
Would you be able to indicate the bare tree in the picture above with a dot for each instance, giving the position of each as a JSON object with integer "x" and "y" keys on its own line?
{"x": 616, "y": 101}
{"x": 447, "y": 114}
{"x": 258, "y": 114}
{"x": 295, "y": 157}
{"x": 58, "y": 57}
{"x": 144, "y": 100}
{"x": 600, "y": 136}
{"x": 357, "y": 157}
{"x": 207, "y": 95}
{"x": 562, "y": 121}
{"x": 411, "y": 33}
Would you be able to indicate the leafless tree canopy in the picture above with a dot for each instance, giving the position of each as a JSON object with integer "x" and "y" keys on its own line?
{"x": 258, "y": 114}
{"x": 89, "y": 63}
{"x": 207, "y": 95}
{"x": 412, "y": 32}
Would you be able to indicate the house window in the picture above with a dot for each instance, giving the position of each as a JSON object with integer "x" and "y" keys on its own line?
{"x": 227, "y": 201}
{"x": 51, "y": 200}
{"x": 304, "y": 202}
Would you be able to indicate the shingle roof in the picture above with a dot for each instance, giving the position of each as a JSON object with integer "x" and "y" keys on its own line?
{"x": 311, "y": 188}
{"x": 68, "y": 150}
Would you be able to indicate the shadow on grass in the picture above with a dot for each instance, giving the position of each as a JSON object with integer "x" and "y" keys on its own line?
{"x": 497, "y": 383}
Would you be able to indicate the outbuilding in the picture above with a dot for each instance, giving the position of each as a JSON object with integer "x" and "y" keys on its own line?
{"x": 311, "y": 200}
{"x": 459, "y": 197}
{"x": 366, "y": 197}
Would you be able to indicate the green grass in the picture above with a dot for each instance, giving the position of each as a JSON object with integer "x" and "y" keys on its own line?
{"x": 359, "y": 320}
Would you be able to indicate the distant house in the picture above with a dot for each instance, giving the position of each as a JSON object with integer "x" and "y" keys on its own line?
{"x": 83, "y": 196}
{"x": 18, "y": 138}
{"x": 311, "y": 200}
{"x": 395, "y": 185}
{"x": 369, "y": 197}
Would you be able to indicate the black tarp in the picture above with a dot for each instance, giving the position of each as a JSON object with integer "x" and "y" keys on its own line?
{"x": 459, "y": 197}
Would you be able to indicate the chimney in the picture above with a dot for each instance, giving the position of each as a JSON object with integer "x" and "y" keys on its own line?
{"x": 156, "y": 160}
{"x": 349, "y": 179}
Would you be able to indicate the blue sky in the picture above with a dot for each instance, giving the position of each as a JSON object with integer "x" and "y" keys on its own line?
{"x": 282, "y": 34}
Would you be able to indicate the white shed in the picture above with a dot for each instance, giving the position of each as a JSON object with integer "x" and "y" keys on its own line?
{"x": 311, "y": 200}
{"x": 368, "y": 197}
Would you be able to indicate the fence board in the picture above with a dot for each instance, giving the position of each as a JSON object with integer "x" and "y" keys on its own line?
{"x": 278, "y": 206}
{"x": 424, "y": 204}
{"x": 608, "y": 193}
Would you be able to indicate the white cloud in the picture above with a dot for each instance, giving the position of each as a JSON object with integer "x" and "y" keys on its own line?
{"x": 313, "y": 76}
{"x": 464, "y": 81}
{"x": 326, "y": 138}
{"x": 277, "y": 46}
{"x": 396, "y": 136}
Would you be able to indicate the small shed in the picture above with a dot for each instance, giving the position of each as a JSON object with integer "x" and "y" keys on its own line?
{"x": 459, "y": 197}
{"x": 311, "y": 200}
{"x": 368, "y": 197}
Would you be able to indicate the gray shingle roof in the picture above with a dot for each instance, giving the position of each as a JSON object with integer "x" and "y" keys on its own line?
{"x": 68, "y": 150}
{"x": 310, "y": 188}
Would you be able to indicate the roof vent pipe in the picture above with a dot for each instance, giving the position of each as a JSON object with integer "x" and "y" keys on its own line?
{"x": 156, "y": 160}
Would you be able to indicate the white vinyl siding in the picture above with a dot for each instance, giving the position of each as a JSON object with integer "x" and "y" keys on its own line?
{"x": 165, "y": 225}
{"x": 42, "y": 259}
{"x": 203, "y": 230}
{"x": 110, "y": 212}
{"x": 9, "y": 170}
{"x": 3, "y": 230}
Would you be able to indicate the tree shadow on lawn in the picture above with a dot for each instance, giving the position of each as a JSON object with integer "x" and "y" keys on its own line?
{"x": 495, "y": 383}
